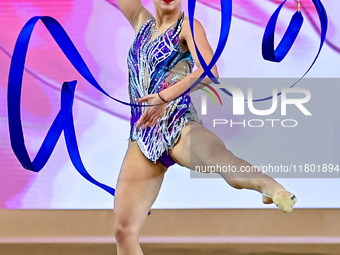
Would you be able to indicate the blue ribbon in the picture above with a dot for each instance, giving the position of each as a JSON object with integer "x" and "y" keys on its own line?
{"x": 268, "y": 51}
{"x": 226, "y": 10}
{"x": 64, "y": 120}
{"x": 294, "y": 27}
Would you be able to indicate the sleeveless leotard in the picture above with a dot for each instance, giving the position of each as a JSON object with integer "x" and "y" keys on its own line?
{"x": 153, "y": 66}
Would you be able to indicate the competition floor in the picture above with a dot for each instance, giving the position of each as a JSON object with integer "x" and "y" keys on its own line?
{"x": 305, "y": 231}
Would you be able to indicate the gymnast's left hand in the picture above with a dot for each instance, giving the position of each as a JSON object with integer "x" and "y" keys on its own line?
{"x": 152, "y": 113}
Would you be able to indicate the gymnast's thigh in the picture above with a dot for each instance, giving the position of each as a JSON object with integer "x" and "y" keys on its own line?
{"x": 137, "y": 188}
{"x": 196, "y": 146}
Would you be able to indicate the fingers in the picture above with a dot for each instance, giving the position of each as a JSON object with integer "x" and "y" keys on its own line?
{"x": 152, "y": 121}
{"x": 151, "y": 114}
{"x": 143, "y": 99}
{"x": 142, "y": 120}
{"x": 148, "y": 119}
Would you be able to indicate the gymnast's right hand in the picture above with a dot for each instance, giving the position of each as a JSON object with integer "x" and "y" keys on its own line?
{"x": 152, "y": 113}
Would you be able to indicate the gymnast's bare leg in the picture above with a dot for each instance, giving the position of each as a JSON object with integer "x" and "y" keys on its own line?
{"x": 198, "y": 146}
{"x": 138, "y": 185}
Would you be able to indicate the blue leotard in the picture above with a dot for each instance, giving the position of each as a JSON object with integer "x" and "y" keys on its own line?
{"x": 153, "y": 66}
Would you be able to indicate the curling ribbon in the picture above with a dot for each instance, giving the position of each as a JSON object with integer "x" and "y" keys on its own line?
{"x": 288, "y": 39}
{"x": 64, "y": 120}
{"x": 226, "y": 10}
{"x": 268, "y": 50}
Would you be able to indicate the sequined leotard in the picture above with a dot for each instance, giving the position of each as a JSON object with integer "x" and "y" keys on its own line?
{"x": 154, "y": 66}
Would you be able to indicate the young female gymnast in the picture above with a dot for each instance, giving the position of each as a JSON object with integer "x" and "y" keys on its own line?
{"x": 160, "y": 63}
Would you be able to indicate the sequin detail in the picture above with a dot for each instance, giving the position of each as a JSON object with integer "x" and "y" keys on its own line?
{"x": 153, "y": 66}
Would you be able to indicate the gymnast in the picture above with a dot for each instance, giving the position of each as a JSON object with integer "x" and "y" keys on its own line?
{"x": 160, "y": 64}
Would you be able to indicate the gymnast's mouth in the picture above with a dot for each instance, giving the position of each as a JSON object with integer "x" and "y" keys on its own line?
{"x": 168, "y": 1}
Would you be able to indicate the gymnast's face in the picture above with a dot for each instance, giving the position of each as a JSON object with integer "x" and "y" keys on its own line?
{"x": 167, "y": 5}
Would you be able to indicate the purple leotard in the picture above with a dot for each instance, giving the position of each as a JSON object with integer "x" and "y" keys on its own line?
{"x": 153, "y": 66}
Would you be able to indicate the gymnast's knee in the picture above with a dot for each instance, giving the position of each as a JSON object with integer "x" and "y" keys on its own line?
{"x": 125, "y": 233}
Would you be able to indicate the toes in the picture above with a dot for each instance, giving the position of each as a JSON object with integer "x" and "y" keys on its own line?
{"x": 285, "y": 204}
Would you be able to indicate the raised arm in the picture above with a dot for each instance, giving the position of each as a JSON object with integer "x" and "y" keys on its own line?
{"x": 134, "y": 11}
